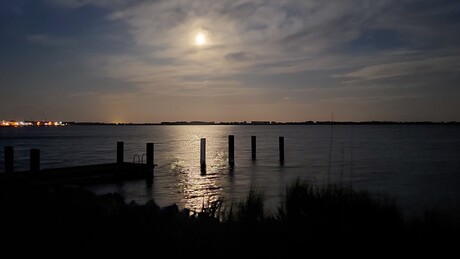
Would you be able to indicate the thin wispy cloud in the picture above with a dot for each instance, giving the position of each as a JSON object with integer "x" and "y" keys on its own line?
{"x": 47, "y": 39}
{"x": 407, "y": 68}
{"x": 274, "y": 36}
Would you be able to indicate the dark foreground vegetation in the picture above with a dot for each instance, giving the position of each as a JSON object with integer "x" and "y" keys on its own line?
{"x": 310, "y": 223}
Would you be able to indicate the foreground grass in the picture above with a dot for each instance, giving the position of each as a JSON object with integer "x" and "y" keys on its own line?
{"x": 311, "y": 222}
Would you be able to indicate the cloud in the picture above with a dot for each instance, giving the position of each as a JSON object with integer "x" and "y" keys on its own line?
{"x": 257, "y": 37}
{"x": 49, "y": 40}
{"x": 174, "y": 79}
{"x": 240, "y": 56}
{"x": 266, "y": 38}
{"x": 81, "y": 3}
{"x": 270, "y": 27}
{"x": 406, "y": 68}
{"x": 259, "y": 32}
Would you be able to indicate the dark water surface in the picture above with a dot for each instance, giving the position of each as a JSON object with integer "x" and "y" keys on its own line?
{"x": 418, "y": 165}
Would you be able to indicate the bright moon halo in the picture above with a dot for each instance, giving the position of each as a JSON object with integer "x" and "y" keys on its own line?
{"x": 200, "y": 39}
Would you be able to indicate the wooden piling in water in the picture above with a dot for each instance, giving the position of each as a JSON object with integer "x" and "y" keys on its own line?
{"x": 231, "y": 150}
{"x": 281, "y": 148}
{"x": 150, "y": 154}
{"x": 9, "y": 159}
{"x": 34, "y": 160}
{"x": 203, "y": 154}
{"x": 253, "y": 147}
{"x": 120, "y": 152}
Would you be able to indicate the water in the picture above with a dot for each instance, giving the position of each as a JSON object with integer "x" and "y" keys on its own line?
{"x": 417, "y": 165}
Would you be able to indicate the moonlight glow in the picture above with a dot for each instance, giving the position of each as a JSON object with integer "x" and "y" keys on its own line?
{"x": 200, "y": 39}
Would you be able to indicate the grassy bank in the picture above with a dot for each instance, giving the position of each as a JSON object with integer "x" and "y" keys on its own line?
{"x": 311, "y": 222}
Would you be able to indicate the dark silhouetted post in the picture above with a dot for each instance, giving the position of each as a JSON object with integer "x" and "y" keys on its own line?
{"x": 9, "y": 159}
{"x": 253, "y": 147}
{"x": 120, "y": 151}
{"x": 203, "y": 154}
{"x": 150, "y": 155}
{"x": 281, "y": 144}
{"x": 231, "y": 150}
{"x": 35, "y": 160}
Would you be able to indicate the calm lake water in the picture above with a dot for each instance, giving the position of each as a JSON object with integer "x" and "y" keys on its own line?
{"x": 417, "y": 165}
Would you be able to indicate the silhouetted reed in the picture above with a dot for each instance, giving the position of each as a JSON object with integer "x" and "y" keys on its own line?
{"x": 327, "y": 221}
{"x": 251, "y": 210}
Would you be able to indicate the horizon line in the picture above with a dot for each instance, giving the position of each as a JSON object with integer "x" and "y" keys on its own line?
{"x": 256, "y": 122}
{"x": 307, "y": 122}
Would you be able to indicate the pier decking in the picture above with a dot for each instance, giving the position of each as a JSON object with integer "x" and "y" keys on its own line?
{"x": 100, "y": 173}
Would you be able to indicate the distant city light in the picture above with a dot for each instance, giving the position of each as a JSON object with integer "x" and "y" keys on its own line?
{"x": 8, "y": 123}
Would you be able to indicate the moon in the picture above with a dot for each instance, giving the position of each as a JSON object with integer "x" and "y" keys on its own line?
{"x": 200, "y": 39}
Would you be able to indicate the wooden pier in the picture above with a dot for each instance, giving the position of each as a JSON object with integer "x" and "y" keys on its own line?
{"x": 111, "y": 172}
{"x": 87, "y": 174}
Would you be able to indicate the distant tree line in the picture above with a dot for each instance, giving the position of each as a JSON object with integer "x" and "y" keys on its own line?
{"x": 275, "y": 123}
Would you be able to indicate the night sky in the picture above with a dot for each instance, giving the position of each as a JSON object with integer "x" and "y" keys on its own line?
{"x": 143, "y": 61}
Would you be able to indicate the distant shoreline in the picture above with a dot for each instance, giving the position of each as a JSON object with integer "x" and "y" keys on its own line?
{"x": 272, "y": 123}
{"x": 13, "y": 124}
